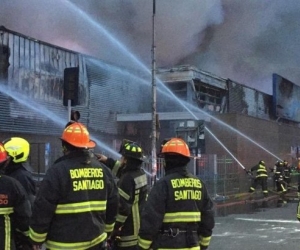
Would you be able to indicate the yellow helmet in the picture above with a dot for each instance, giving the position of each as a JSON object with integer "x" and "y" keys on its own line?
{"x": 17, "y": 148}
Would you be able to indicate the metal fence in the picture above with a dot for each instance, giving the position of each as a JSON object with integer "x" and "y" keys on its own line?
{"x": 222, "y": 175}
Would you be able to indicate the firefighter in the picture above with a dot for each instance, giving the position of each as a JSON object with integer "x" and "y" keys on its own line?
{"x": 132, "y": 186}
{"x": 18, "y": 167}
{"x": 287, "y": 175}
{"x": 261, "y": 178}
{"x": 298, "y": 207}
{"x": 179, "y": 212}
{"x": 279, "y": 180}
{"x": 77, "y": 202}
{"x": 273, "y": 171}
{"x": 15, "y": 210}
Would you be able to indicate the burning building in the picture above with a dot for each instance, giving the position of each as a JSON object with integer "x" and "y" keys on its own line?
{"x": 115, "y": 103}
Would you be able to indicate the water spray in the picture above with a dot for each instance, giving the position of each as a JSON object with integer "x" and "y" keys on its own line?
{"x": 37, "y": 108}
{"x": 236, "y": 131}
{"x": 188, "y": 106}
{"x": 136, "y": 60}
{"x": 32, "y": 105}
{"x": 227, "y": 150}
{"x": 123, "y": 49}
{"x": 184, "y": 104}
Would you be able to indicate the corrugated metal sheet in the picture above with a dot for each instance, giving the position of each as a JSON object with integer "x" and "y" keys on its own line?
{"x": 32, "y": 94}
{"x": 29, "y": 117}
{"x": 35, "y": 73}
{"x": 114, "y": 91}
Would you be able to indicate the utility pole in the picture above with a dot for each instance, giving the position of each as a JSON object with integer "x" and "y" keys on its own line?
{"x": 154, "y": 118}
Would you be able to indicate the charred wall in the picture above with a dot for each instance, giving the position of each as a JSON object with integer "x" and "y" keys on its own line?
{"x": 245, "y": 100}
{"x": 275, "y": 139}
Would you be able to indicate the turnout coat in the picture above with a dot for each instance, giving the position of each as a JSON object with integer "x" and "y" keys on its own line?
{"x": 178, "y": 213}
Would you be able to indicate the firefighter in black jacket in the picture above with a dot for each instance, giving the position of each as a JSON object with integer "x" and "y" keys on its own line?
{"x": 76, "y": 205}
{"x": 261, "y": 177}
{"x": 287, "y": 175}
{"x": 279, "y": 180}
{"x": 298, "y": 207}
{"x": 179, "y": 212}
{"x": 278, "y": 175}
{"x": 15, "y": 209}
{"x": 18, "y": 167}
{"x": 132, "y": 186}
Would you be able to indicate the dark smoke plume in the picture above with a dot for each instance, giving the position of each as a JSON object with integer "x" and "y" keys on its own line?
{"x": 245, "y": 41}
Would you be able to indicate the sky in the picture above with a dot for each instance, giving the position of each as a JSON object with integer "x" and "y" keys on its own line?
{"x": 243, "y": 40}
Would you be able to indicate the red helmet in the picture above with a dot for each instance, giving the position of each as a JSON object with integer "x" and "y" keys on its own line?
{"x": 176, "y": 146}
{"x": 78, "y": 136}
{"x": 3, "y": 154}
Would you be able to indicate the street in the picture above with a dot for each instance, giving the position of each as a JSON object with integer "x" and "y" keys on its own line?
{"x": 265, "y": 229}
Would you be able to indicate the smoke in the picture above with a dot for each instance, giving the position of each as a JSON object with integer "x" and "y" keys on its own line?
{"x": 255, "y": 40}
{"x": 246, "y": 41}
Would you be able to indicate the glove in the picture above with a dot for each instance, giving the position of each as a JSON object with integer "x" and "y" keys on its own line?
{"x": 37, "y": 247}
{"x": 111, "y": 241}
{"x": 24, "y": 246}
{"x": 101, "y": 157}
{"x": 109, "y": 244}
{"x": 115, "y": 234}
{"x": 248, "y": 172}
{"x": 22, "y": 242}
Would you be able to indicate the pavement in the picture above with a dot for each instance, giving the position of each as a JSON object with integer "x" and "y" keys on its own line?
{"x": 246, "y": 202}
{"x": 274, "y": 228}
{"x": 253, "y": 222}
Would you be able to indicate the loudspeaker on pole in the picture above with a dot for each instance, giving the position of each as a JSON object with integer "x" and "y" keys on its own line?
{"x": 71, "y": 86}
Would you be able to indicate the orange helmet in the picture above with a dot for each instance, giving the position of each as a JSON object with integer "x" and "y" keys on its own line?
{"x": 78, "y": 136}
{"x": 3, "y": 154}
{"x": 176, "y": 146}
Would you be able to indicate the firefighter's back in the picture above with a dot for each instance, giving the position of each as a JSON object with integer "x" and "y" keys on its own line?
{"x": 77, "y": 201}
{"x": 14, "y": 206}
{"x": 186, "y": 199}
{"x": 179, "y": 212}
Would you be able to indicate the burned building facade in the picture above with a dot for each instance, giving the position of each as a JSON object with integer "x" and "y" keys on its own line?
{"x": 32, "y": 96}
{"x": 115, "y": 103}
{"x": 241, "y": 120}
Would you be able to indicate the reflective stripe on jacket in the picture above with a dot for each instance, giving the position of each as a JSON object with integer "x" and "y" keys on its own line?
{"x": 298, "y": 209}
{"x": 133, "y": 194}
{"x": 14, "y": 206}
{"x": 261, "y": 170}
{"x": 178, "y": 203}
{"x": 76, "y": 205}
